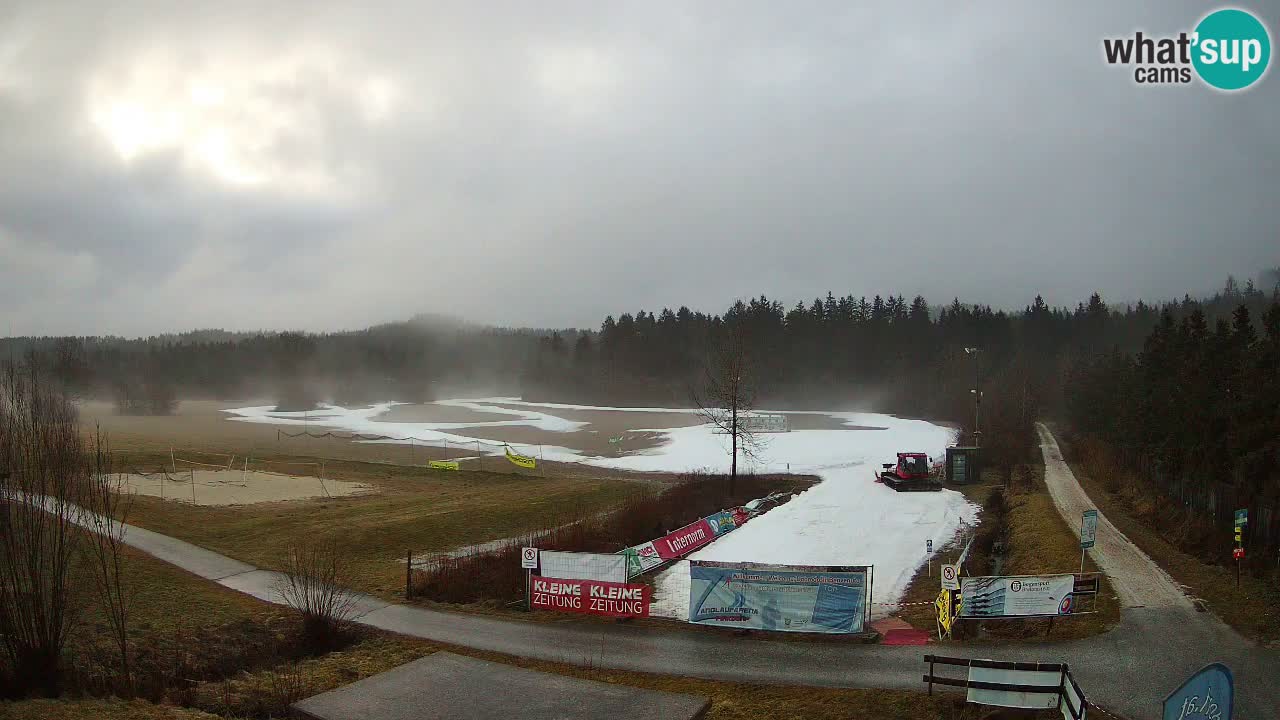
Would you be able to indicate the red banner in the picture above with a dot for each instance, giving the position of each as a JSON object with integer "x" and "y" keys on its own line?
{"x": 685, "y": 540}
{"x": 590, "y": 597}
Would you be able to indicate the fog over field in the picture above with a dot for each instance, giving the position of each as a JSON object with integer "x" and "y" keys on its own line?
{"x": 323, "y": 166}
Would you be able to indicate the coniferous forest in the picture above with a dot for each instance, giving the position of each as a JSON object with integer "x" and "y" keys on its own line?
{"x": 1175, "y": 403}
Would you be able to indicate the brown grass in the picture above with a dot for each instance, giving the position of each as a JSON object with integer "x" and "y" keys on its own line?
{"x": 427, "y": 511}
{"x": 1038, "y": 542}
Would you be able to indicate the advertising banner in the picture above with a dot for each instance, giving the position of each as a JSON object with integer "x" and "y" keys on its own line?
{"x": 685, "y": 540}
{"x": 721, "y": 522}
{"x": 523, "y": 461}
{"x": 443, "y": 464}
{"x": 788, "y": 598}
{"x": 1030, "y": 596}
{"x": 1044, "y": 699}
{"x": 641, "y": 559}
{"x": 590, "y": 597}
{"x": 583, "y": 566}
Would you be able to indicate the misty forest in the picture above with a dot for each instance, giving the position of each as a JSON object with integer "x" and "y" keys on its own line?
{"x": 1177, "y": 402}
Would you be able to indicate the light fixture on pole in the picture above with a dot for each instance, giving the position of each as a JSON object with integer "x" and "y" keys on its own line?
{"x": 977, "y": 394}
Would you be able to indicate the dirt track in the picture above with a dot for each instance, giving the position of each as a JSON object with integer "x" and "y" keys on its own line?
{"x": 1136, "y": 578}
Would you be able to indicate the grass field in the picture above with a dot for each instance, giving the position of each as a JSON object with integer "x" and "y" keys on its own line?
{"x": 412, "y": 508}
{"x": 1039, "y": 542}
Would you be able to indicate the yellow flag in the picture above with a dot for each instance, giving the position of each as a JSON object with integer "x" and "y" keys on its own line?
{"x": 443, "y": 464}
{"x": 523, "y": 461}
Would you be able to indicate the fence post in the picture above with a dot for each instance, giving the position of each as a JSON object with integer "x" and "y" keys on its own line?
{"x": 930, "y": 675}
{"x": 408, "y": 574}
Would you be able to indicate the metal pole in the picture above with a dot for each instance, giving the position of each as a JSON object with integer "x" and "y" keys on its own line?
{"x": 528, "y": 586}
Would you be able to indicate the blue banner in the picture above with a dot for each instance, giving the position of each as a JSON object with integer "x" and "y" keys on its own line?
{"x": 721, "y": 522}
{"x": 786, "y": 598}
{"x": 1207, "y": 695}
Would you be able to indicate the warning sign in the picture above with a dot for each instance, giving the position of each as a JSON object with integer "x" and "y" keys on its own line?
{"x": 950, "y": 577}
{"x": 529, "y": 558}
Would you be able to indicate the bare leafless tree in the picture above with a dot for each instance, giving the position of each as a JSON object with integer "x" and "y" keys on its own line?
{"x": 107, "y": 507}
{"x": 314, "y": 585}
{"x": 42, "y": 480}
{"x": 727, "y": 396}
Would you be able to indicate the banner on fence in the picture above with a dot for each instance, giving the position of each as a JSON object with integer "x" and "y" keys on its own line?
{"x": 1029, "y": 596}
{"x": 443, "y": 464}
{"x": 788, "y": 598}
{"x": 523, "y": 461}
{"x": 1030, "y": 685}
{"x": 590, "y": 597}
{"x": 1003, "y": 687}
{"x": 583, "y": 566}
{"x": 721, "y": 522}
{"x": 685, "y": 540}
{"x": 641, "y": 559}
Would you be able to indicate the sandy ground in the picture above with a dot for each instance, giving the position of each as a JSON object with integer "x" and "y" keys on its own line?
{"x": 1138, "y": 580}
{"x": 437, "y": 413}
{"x": 232, "y": 487}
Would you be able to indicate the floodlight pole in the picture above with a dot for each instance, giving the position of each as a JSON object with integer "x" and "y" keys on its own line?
{"x": 977, "y": 393}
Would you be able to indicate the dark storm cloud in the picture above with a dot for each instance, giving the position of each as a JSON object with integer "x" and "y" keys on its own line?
{"x": 317, "y": 166}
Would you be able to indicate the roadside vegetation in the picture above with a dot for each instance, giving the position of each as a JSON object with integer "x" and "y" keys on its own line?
{"x": 493, "y": 575}
{"x": 1019, "y": 532}
{"x": 1253, "y": 608}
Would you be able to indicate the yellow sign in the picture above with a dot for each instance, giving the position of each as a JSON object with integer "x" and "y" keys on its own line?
{"x": 523, "y": 461}
{"x": 943, "y": 606}
{"x": 443, "y": 464}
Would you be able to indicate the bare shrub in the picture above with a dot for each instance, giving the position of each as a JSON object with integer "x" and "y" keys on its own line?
{"x": 313, "y": 585}
{"x": 104, "y": 550}
{"x": 43, "y": 473}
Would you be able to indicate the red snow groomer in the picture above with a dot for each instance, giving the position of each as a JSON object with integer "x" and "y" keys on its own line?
{"x": 911, "y": 473}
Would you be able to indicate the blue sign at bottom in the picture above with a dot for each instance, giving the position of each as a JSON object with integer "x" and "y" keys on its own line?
{"x": 1206, "y": 695}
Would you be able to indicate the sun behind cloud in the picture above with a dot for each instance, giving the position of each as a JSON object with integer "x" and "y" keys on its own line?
{"x": 247, "y": 122}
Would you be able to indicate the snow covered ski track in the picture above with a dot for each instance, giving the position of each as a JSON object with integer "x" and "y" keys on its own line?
{"x": 847, "y": 519}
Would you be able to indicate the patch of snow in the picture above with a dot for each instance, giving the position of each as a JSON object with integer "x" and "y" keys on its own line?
{"x": 847, "y": 519}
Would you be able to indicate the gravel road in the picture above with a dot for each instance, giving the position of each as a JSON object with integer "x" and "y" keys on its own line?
{"x": 1137, "y": 579}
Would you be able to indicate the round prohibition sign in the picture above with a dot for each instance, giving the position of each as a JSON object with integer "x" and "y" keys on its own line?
{"x": 948, "y": 572}
{"x": 530, "y": 553}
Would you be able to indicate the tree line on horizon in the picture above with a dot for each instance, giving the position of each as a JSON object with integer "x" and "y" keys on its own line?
{"x": 1183, "y": 391}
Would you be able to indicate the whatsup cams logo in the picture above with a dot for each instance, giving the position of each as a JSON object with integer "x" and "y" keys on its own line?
{"x": 1229, "y": 49}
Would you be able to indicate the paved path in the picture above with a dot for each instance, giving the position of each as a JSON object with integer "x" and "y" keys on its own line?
{"x": 1129, "y": 669}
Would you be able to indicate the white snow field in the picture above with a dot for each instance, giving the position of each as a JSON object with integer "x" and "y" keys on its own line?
{"x": 847, "y": 519}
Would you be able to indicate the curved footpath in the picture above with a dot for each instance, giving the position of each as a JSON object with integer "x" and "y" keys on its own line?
{"x": 1129, "y": 669}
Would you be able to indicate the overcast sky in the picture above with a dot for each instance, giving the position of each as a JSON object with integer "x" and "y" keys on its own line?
{"x": 165, "y": 165}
